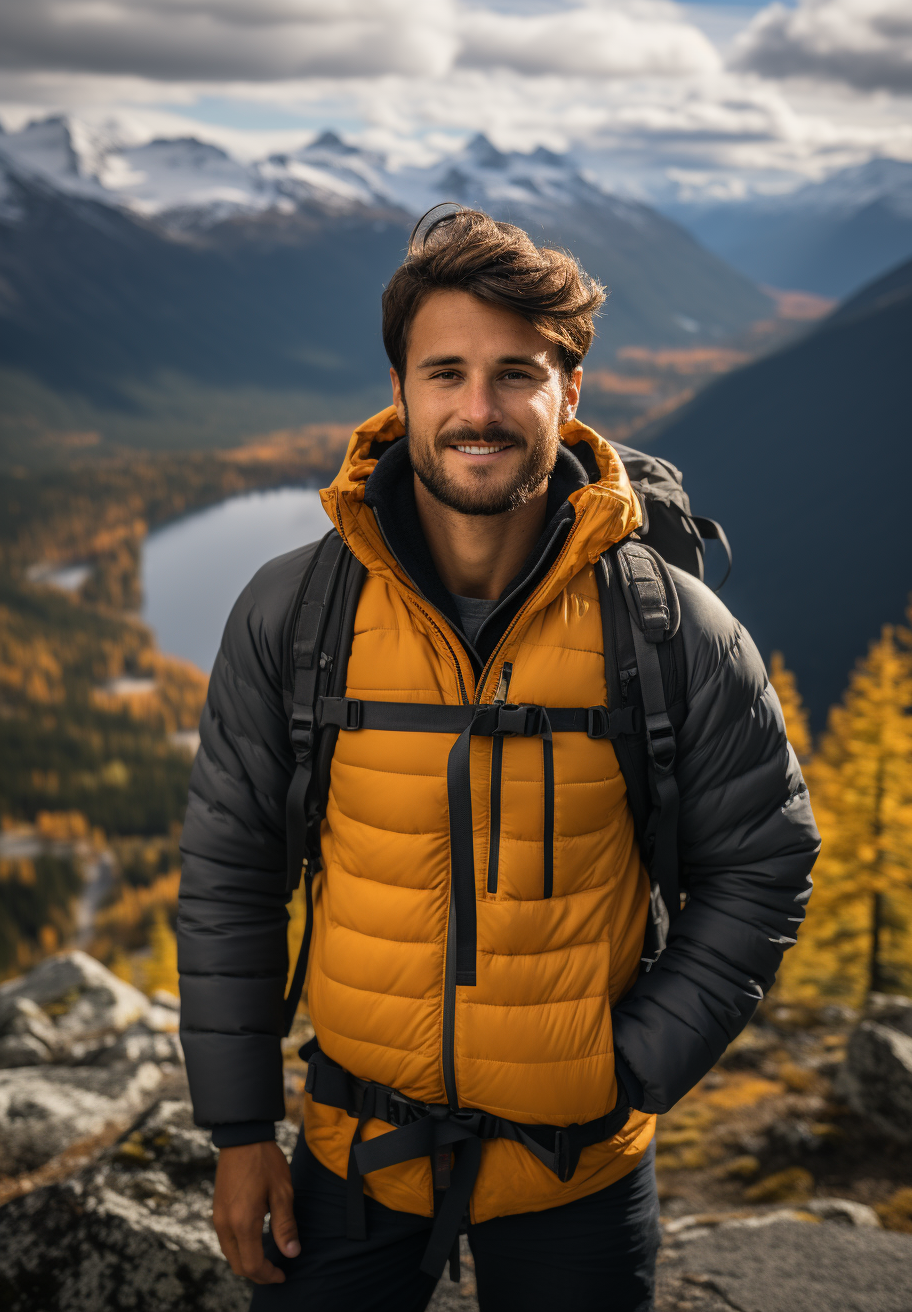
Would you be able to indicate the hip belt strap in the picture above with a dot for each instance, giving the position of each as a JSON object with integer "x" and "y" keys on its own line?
{"x": 434, "y": 1131}
{"x": 497, "y": 720}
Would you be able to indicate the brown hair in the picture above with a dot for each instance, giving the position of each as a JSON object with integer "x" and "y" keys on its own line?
{"x": 467, "y": 250}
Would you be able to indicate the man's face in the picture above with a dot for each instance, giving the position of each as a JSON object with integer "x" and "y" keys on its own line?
{"x": 482, "y": 405}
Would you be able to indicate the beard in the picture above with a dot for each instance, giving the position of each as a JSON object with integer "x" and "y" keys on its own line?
{"x": 481, "y": 492}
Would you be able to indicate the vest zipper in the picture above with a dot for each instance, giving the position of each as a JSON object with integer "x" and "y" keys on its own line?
{"x": 448, "y": 1044}
{"x": 497, "y": 747}
{"x": 492, "y": 659}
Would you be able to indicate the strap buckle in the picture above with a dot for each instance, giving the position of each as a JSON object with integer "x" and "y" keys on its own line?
{"x": 598, "y": 722}
{"x": 662, "y": 746}
{"x": 301, "y": 731}
{"x": 519, "y": 721}
{"x": 602, "y": 723}
{"x": 344, "y": 712}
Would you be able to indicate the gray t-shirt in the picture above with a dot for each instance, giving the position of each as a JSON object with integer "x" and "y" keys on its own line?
{"x": 473, "y": 611}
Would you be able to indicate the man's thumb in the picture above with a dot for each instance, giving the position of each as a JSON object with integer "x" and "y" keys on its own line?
{"x": 282, "y": 1222}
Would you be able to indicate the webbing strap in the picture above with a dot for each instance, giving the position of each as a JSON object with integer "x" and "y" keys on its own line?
{"x": 660, "y": 742}
{"x": 713, "y": 531}
{"x": 324, "y": 623}
{"x": 309, "y": 626}
{"x": 498, "y": 720}
{"x": 431, "y": 1130}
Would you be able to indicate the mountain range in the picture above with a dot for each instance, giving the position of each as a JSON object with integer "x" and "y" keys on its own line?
{"x": 829, "y": 237}
{"x": 805, "y": 457}
{"x": 166, "y": 292}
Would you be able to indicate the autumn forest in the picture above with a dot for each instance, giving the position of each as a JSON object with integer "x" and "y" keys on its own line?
{"x": 96, "y": 728}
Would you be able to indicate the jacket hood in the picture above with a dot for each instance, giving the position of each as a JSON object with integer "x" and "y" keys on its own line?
{"x": 605, "y": 510}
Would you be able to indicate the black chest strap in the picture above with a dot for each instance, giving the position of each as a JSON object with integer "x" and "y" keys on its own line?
{"x": 497, "y": 720}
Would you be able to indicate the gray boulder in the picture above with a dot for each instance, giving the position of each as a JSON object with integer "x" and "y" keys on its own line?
{"x": 45, "y": 1110}
{"x": 133, "y": 1231}
{"x": 792, "y": 1266}
{"x": 139, "y": 1043}
{"x": 72, "y": 1005}
{"x": 876, "y": 1079}
{"x": 890, "y": 1009}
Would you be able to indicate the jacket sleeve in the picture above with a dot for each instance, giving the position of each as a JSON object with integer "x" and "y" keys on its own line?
{"x": 232, "y": 919}
{"x": 747, "y": 843}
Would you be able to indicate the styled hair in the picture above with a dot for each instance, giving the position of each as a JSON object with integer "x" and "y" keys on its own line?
{"x": 466, "y": 250}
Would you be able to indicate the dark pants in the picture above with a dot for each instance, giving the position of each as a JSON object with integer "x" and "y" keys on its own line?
{"x": 594, "y": 1255}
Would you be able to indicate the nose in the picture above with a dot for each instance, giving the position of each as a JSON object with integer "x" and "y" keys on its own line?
{"x": 479, "y": 407}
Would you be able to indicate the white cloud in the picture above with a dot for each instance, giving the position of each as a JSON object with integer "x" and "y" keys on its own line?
{"x": 225, "y": 40}
{"x": 242, "y": 40}
{"x": 864, "y": 43}
{"x": 636, "y": 40}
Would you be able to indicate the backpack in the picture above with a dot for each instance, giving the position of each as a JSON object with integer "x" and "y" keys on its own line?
{"x": 645, "y": 675}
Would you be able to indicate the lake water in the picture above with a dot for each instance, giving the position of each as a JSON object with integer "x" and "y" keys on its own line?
{"x": 194, "y": 569}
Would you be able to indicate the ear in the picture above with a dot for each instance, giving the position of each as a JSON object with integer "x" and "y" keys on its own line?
{"x": 398, "y": 397}
{"x": 572, "y": 395}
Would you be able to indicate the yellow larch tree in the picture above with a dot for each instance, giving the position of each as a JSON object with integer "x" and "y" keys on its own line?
{"x": 858, "y": 935}
{"x": 160, "y": 970}
{"x": 796, "y": 720}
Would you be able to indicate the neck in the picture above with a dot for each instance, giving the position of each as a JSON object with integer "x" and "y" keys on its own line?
{"x": 478, "y": 555}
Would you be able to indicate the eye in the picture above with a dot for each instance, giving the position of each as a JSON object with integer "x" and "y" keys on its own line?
{"x": 516, "y": 374}
{"x": 445, "y": 374}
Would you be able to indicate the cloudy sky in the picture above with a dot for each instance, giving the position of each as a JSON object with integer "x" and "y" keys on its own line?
{"x": 711, "y": 98}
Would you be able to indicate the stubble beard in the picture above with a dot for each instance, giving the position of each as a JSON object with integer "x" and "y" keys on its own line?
{"x": 480, "y": 495}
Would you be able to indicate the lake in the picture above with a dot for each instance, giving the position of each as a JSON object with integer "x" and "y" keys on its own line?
{"x": 194, "y": 569}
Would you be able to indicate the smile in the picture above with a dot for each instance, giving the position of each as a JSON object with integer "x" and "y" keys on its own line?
{"x": 488, "y": 450}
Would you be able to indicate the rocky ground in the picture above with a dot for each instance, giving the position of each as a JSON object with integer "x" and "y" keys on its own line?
{"x": 785, "y": 1177}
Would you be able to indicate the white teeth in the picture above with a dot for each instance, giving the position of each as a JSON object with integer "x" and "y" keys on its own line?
{"x": 481, "y": 450}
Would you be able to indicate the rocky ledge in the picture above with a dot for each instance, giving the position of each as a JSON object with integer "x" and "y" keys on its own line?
{"x": 106, "y": 1183}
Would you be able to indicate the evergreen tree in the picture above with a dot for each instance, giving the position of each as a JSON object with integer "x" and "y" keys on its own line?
{"x": 796, "y": 720}
{"x": 858, "y": 937}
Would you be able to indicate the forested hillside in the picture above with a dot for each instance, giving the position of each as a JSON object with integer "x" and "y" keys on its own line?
{"x": 805, "y": 457}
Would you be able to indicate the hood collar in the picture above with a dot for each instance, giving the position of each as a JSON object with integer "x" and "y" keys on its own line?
{"x": 605, "y": 510}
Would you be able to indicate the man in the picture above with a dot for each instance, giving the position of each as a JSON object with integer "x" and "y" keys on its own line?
{"x": 479, "y": 507}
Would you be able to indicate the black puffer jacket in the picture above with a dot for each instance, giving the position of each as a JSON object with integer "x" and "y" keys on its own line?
{"x": 747, "y": 841}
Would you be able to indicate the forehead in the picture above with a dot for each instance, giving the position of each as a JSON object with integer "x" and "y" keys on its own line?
{"x": 456, "y": 323}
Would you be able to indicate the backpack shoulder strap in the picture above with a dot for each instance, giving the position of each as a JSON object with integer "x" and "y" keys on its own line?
{"x": 320, "y": 647}
{"x": 640, "y": 610}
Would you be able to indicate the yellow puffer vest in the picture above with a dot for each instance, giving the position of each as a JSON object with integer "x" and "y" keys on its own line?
{"x": 532, "y": 1039}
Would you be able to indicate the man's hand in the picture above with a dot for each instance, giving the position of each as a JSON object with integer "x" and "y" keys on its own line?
{"x": 250, "y": 1181}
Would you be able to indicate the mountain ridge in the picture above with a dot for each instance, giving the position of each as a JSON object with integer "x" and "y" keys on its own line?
{"x": 221, "y": 276}
{"x": 830, "y": 237}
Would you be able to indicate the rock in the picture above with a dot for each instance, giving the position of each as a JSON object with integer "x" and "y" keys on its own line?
{"x": 162, "y": 998}
{"x": 82, "y": 998}
{"x": 890, "y": 1009}
{"x": 785, "y": 1266}
{"x": 133, "y": 1231}
{"x": 139, "y": 1043}
{"x": 29, "y": 1037}
{"x": 43, "y": 1110}
{"x": 876, "y": 1079}
{"x": 23, "y": 1050}
{"x": 843, "y": 1210}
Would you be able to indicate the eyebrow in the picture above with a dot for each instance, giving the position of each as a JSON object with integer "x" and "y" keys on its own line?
{"x": 439, "y": 361}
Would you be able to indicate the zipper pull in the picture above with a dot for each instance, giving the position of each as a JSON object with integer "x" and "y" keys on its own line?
{"x": 503, "y": 684}
{"x": 626, "y": 676}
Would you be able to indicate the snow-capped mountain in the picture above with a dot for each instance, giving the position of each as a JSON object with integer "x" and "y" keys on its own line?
{"x": 829, "y": 237}
{"x": 134, "y": 270}
{"x": 185, "y": 177}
